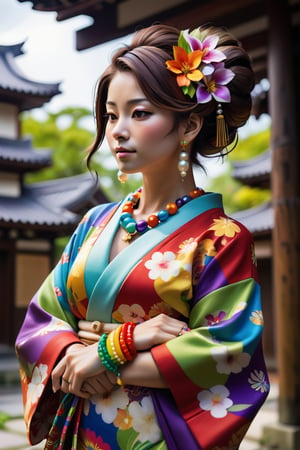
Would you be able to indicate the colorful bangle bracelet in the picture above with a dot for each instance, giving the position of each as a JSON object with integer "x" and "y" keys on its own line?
{"x": 124, "y": 341}
{"x": 112, "y": 343}
{"x": 109, "y": 348}
{"x": 129, "y": 338}
{"x": 124, "y": 348}
{"x": 104, "y": 355}
{"x": 117, "y": 346}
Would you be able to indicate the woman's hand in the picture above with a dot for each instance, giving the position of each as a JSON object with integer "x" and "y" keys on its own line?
{"x": 89, "y": 332}
{"x": 101, "y": 384}
{"x": 158, "y": 330}
{"x": 152, "y": 332}
{"x": 79, "y": 363}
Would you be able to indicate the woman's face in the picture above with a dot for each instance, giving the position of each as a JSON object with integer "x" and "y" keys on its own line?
{"x": 141, "y": 137}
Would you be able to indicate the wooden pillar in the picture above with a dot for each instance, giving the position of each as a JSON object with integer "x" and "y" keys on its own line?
{"x": 284, "y": 93}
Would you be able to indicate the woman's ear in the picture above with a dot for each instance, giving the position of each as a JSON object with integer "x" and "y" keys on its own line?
{"x": 193, "y": 127}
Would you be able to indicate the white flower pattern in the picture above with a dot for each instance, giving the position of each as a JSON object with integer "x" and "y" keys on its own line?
{"x": 216, "y": 401}
{"x": 36, "y": 385}
{"x": 163, "y": 265}
{"x": 109, "y": 406}
{"x": 229, "y": 361}
{"x": 144, "y": 420}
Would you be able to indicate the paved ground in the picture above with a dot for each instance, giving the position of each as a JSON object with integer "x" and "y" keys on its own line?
{"x": 12, "y": 437}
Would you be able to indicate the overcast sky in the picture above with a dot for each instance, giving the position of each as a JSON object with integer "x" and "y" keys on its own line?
{"x": 50, "y": 53}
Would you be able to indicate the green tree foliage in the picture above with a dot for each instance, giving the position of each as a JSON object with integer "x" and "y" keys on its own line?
{"x": 67, "y": 137}
{"x": 252, "y": 146}
{"x": 66, "y": 143}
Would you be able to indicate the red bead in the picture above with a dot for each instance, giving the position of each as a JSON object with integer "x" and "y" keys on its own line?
{"x": 152, "y": 221}
{"x": 196, "y": 193}
{"x": 125, "y": 349}
{"x": 129, "y": 338}
{"x": 172, "y": 208}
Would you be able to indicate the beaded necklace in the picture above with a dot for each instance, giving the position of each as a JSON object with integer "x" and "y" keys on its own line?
{"x": 132, "y": 227}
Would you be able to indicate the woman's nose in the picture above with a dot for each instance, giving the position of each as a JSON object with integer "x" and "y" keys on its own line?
{"x": 120, "y": 130}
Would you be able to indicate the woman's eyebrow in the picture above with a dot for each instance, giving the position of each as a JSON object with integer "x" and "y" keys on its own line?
{"x": 130, "y": 102}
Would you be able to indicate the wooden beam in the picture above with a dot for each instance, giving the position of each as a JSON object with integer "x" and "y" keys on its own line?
{"x": 284, "y": 98}
{"x": 187, "y": 15}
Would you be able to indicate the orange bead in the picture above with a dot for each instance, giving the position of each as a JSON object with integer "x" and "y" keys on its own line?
{"x": 172, "y": 208}
{"x": 127, "y": 208}
{"x": 152, "y": 221}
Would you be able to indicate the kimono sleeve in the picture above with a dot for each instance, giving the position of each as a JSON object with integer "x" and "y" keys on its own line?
{"x": 48, "y": 328}
{"x": 216, "y": 372}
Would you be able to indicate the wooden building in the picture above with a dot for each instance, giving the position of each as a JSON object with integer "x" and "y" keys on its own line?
{"x": 256, "y": 172}
{"x": 31, "y": 215}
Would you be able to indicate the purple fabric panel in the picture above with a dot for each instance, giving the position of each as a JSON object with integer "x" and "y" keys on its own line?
{"x": 177, "y": 434}
{"x": 212, "y": 278}
{"x": 36, "y": 318}
{"x": 240, "y": 389}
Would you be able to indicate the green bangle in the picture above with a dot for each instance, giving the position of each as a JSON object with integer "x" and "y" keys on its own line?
{"x": 104, "y": 355}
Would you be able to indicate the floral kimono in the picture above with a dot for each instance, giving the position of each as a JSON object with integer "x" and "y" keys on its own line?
{"x": 199, "y": 267}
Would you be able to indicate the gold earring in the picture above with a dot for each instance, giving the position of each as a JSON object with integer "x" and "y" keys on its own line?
{"x": 183, "y": 163}
{"x": 122, "y": 177}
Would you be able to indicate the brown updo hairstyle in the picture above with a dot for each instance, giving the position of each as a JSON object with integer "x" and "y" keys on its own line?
{"x": 145, "y": 58}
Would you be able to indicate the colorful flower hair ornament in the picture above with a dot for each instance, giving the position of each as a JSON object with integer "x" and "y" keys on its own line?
{"x": 199, "y": 67}
{"x": 201, "y": 73}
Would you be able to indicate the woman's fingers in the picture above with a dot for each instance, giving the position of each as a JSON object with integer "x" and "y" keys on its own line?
{"x": 88, "y": 337}
{"x": 57, "y": 376}
{"x": 96, "y": 327}
{"x": 102, "y": 384}
{"x": 79, "y": 363}
{"x": 158, "y": 330}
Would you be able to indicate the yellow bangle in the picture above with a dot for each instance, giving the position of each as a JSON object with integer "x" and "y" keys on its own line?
{"x": 116, "y": 338}
{"x": 109, "y": 348}
{"x": 118, "y": 359}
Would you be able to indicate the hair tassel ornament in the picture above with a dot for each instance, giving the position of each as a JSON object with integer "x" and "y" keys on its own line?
{"x": 122, "y": 177}
{"x": 222, "y": 138}
{"x": 183, "y": 163}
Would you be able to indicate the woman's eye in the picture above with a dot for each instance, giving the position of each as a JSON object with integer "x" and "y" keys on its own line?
{"x": 110, "y": 116}
{"x": 141, "y": 114}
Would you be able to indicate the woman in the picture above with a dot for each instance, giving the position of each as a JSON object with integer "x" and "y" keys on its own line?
{"x": 147, "y": 334}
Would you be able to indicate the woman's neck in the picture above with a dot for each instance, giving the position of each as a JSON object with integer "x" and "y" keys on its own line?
{"x": 156, "y": 195}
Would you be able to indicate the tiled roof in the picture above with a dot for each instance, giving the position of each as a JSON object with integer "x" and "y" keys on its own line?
{"x": 47, "y": 205}
{"x": 253, "y": 170}
{"x": 14, "y": 85}
{"x": 20, "y": 155}
{"x": 65, "y": 192}
{"x": 27, "y": 210}
{"x": 258, "y": 220}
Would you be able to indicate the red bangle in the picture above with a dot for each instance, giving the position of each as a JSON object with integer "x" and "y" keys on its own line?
{"x": 129, "y": 338}
{"x": 124, "y": 347}
{"x": 126, "y": 340}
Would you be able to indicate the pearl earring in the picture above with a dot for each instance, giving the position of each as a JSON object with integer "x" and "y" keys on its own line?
{"x": 183, "y": 163}
{"x": 122, "y": 177}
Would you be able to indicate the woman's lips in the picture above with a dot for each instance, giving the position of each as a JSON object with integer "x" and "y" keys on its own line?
{"x": 123, "y": 152}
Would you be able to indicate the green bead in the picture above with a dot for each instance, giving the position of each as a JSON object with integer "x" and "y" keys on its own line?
{"x": 130, "y": 227}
